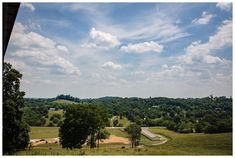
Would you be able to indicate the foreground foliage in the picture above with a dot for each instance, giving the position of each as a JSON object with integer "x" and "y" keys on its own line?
{"x": 15, "y": 131}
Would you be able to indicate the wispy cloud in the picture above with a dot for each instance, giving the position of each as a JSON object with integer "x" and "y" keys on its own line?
{"x": 204, "y": 19}
{"x": 29, "y": 6}
{"x": 224, "y": 6}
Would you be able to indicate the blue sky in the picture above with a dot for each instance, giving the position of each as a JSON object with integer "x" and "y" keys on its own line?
{"x": 123, "y": 49}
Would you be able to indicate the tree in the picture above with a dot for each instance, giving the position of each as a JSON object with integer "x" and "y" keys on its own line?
{"x": 199, "y": 127}
{"x": 115, "y": 123}
{"x": 102, "y": 134}
{"x": 32, "y": 117}
{"x": 82, "y": 122}
{"x": 55, "y": 120}
{"x": 58, "y": 116}
{"x": 134, "y": 132}
{"x": 15, "y": 131}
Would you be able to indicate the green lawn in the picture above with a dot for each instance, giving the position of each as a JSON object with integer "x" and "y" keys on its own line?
{"x": 178, "y": 144}
{"x": 43, "y": 132}
{"x": 195, "y": 143}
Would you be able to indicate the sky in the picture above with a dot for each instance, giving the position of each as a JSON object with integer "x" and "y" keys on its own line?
{"x": 91, "y": 50}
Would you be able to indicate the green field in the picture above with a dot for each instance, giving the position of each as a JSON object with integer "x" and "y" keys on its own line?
{"x": 51, "y": 112}
{"x": 62, "y": 101}
{"x": 178, "y": 144}
{"x": 124, "y": 121}
{"x": 43, "y": 132}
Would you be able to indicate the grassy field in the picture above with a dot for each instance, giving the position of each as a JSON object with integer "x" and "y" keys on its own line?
{"x": 51, "y": 112}
{"x": 117, "y": 132}
{"x": 43, "y": 132}
{"x": 195, "y": 143}
{"x": 61, "y": 101}
{"x": 178, "y": 144}
{"x": 124, "y": 121}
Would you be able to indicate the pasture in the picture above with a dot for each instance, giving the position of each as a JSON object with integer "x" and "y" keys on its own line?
{"x": 124, "y": 121}
{"x": 177, "y": 144}
{"x": 51, "y": 112}
{"x": 62, "y": 101}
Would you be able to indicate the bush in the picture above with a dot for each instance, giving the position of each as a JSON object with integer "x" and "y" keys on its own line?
{"x": 50, "y": 124}
{"x": 32, "y": 117}
{"x": 58, "y": 116}
{"x": 199, "y": 127}
{"x": 185, "y": 127}
{"x": 55, "y": 120}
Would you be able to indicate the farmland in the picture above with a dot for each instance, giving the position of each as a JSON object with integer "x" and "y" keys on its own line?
{"x": 177, "y": 144}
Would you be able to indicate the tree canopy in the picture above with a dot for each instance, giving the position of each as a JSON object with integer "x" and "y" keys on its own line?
{"x": 134, "y": 132}
{"x": 15, "y": 131}
{"x": 82, "y": 122}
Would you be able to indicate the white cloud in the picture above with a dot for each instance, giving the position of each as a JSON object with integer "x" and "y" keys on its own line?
{"x": 209, "y": 59}
{"x": 200, "y": 52}
{"x": 34, "y": 26}
{"x": 224, "y": 6}
{"x": 174, "y": 71}
{"x": 39, "y": 51}
{"x": 223, "y": 37}
{"x": 62, "y": 48}
{"x": 138, "y": 73}
{"x": 29, "y": 6}
{"x": 164, "y": 66}
{"x": 21, "y": 38}
{"x": 204, "y": 19}
{"x": 101, "y": 39}
{"x": 111, "y": 65}
{"x": 143, "y": 47}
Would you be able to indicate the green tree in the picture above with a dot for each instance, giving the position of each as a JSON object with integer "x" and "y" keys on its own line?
{"x": 32, "y": 117}
{"x": 199, "y": 127}
{"x": 134, "y": 132}
{"x": 55, "y": 120}
{"x": 15, "y": 131}
{"x": 82, "y": 122}
{"x": 102, "y": 134}
{"x": 58, "y": 116}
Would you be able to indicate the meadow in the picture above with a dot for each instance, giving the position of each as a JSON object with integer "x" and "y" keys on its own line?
{"x": 177, "y": 144}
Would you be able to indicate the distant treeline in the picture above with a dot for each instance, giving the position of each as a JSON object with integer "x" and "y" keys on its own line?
{"x": 208, "y": 114}
{"x": 68, "y": 97}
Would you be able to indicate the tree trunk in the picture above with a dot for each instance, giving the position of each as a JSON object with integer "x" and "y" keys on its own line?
{"x": 92, "y": 143}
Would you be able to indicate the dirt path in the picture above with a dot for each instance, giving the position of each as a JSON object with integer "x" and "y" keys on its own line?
{"x": 36, "y": 142}
{"x": 112, "y": 139}
{"x": 115, "y": 139}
